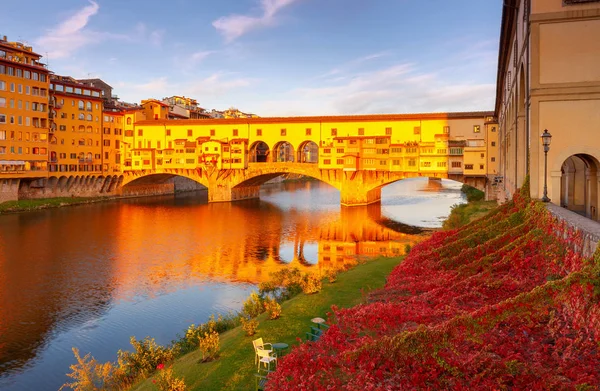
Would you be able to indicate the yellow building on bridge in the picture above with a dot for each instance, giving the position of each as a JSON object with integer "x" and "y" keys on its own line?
{"x": 384, "y": 148}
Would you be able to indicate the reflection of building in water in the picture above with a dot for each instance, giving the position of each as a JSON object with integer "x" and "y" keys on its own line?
{"x": 360, "y": 233}
{"x": 263, "y": 239}
{"x": 39, "y": 284}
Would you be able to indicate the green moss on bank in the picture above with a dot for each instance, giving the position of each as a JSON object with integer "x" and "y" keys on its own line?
{"x": 235, "y": 368}
{"x": 30, "y": 205}
{"x": 463, "y": 214}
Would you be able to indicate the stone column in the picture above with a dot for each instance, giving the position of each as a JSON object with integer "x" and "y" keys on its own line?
{"x": 355, "y": 194}
{"x": 223, "y": 192}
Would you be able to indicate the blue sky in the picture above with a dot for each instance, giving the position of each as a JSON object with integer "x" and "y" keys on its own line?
{"x": 274, "y": 57}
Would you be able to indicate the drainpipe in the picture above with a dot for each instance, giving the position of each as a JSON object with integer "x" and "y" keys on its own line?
{"x": 516, "y": 108}
{"x": 527, "y": 81}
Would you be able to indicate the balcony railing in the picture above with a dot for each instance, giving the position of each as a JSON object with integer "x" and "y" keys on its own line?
{"x": 86, "y": 160}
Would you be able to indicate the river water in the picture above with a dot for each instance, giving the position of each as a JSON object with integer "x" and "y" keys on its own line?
{"x": 91, "y": 276}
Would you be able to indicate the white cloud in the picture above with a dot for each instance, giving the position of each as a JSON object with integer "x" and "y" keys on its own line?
{"x": 395, "y": 89}
{"x": 214, "y": 86}
{"x": 74, "y": 33}
{"x": 234, "y": 26}
{"x": 69, "y": 35}
{"x": 199, "y": 56}
{"x": 156, "y": 37}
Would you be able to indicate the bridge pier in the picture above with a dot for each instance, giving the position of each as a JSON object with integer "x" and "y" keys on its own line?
{"x": 357, "y": 196}
{"x": 223, "y": 193}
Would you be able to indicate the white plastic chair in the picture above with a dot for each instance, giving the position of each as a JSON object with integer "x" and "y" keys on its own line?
{"x": 265, "y": 357}
{"x": 259, "y": 344}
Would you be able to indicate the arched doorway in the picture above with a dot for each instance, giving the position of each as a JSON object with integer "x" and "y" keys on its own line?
{"x": 308, "y": 152}
{"x": 284, "y": 152}
{"x": 259, "y": 152}
{"x": 579, "y": 185}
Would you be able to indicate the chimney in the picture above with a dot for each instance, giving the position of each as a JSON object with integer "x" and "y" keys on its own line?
{"x": 4, "y": 38}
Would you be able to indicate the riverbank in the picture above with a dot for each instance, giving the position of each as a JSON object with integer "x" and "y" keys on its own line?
{"x": 47, "y": 203}
{"x": 235, "y": 368}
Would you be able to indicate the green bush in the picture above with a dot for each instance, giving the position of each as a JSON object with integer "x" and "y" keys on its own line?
{"x": 147, "y": 355}
{"x": 253, "y": 306}
{"x": 472, "y": 193}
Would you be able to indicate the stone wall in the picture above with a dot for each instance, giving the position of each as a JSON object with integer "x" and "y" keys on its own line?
{"x": 185, "y": 184}
{"x": 9, "y": 190}
{"x": 589, "y": 229}
{"x": 148, "y": 190}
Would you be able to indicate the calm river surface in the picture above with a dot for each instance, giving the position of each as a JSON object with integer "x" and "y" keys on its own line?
{"x": 91, "y": 276}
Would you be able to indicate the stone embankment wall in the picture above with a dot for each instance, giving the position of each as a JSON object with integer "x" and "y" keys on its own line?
{"x": 9, "y": 190}
{"x": 589, "y": 229}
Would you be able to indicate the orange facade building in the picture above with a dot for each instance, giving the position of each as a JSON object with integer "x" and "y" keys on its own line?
{"x": 24, "y": 124}
{"x": 76, "y": 144}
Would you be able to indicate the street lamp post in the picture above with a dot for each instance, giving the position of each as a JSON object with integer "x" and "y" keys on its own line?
{"x": 546, "y": 138}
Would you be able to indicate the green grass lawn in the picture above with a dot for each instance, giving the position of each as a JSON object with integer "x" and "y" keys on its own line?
{"x": 235, "y": 368}
{"x": 28, "y": 205}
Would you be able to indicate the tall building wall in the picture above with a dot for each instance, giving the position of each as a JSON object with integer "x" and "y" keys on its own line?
{"x": 24, "y": 123}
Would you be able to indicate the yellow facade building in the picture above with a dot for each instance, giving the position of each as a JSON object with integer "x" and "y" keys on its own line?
{"x": 112, "y": 140}
{"x": 24, "y": 122}
{"x": 416, "y": 143}
{"x": 549, "y": 79}
{"x": 77, "y": 120}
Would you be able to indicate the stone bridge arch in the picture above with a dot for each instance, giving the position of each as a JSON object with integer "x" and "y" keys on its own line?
{"x": 156, "y": 182}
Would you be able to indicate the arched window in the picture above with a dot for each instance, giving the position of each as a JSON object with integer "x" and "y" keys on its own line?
{"x": 90, "y": 142}
{"x": 90, "y": 117}
{"x": 81, "y": 116}
{"x": 81, "y": 105}
{"x": 89, "y": 129}
{"x": 129, "y": 121}
{"x": 88, "y": 106}
{"x": 81, "y": 128}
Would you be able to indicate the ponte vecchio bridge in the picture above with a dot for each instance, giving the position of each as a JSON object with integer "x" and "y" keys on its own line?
{"x": 358, "y": 155}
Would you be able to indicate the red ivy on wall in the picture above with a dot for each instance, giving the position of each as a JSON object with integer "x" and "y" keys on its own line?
{"x": 504, "y": 303}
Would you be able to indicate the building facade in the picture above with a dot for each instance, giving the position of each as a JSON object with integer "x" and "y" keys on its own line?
{"x": 76, "y": 113}
{"x": 549, "y": 79}
{"x": 24, "y": 121}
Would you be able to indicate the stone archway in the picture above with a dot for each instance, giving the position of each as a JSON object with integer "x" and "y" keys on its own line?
{"x": 283, "y": 152}
{"x": 259, "y": 152}
{"x": 579, "y": 185}
{"x": 308, "y": 152}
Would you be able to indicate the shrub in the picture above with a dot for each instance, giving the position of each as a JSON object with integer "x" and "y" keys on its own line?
{"x": 291, "y": 280}
{"x": 249, "y": 325}
{"x": 209, "y": 346}
{"x": 165, "y": 381}
{"x": 253, "y": 306}
{"x": 273, "y": 308}
{"x": 407, "y": 249}
{"x": 311, "y": 283}
{"x": 146, "y": 357}
{"x": 332, "y": 275}
{"x": 90, "y": 375}
{"x": 472, "y": 193}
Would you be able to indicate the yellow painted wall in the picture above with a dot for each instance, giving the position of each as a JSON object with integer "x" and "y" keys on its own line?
{"x": 546, "y": 6}
{"x": 570, "y": 52}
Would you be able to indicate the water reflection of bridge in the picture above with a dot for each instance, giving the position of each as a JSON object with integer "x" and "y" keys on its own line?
{"x": 333, "y": 241}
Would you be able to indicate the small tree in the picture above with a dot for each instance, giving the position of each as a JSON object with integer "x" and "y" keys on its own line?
{"x": 249, "y": 325}
{"x": 209, "y": 346}
{"x": 272, "y": 307}
{"x": 166, "y": 381}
